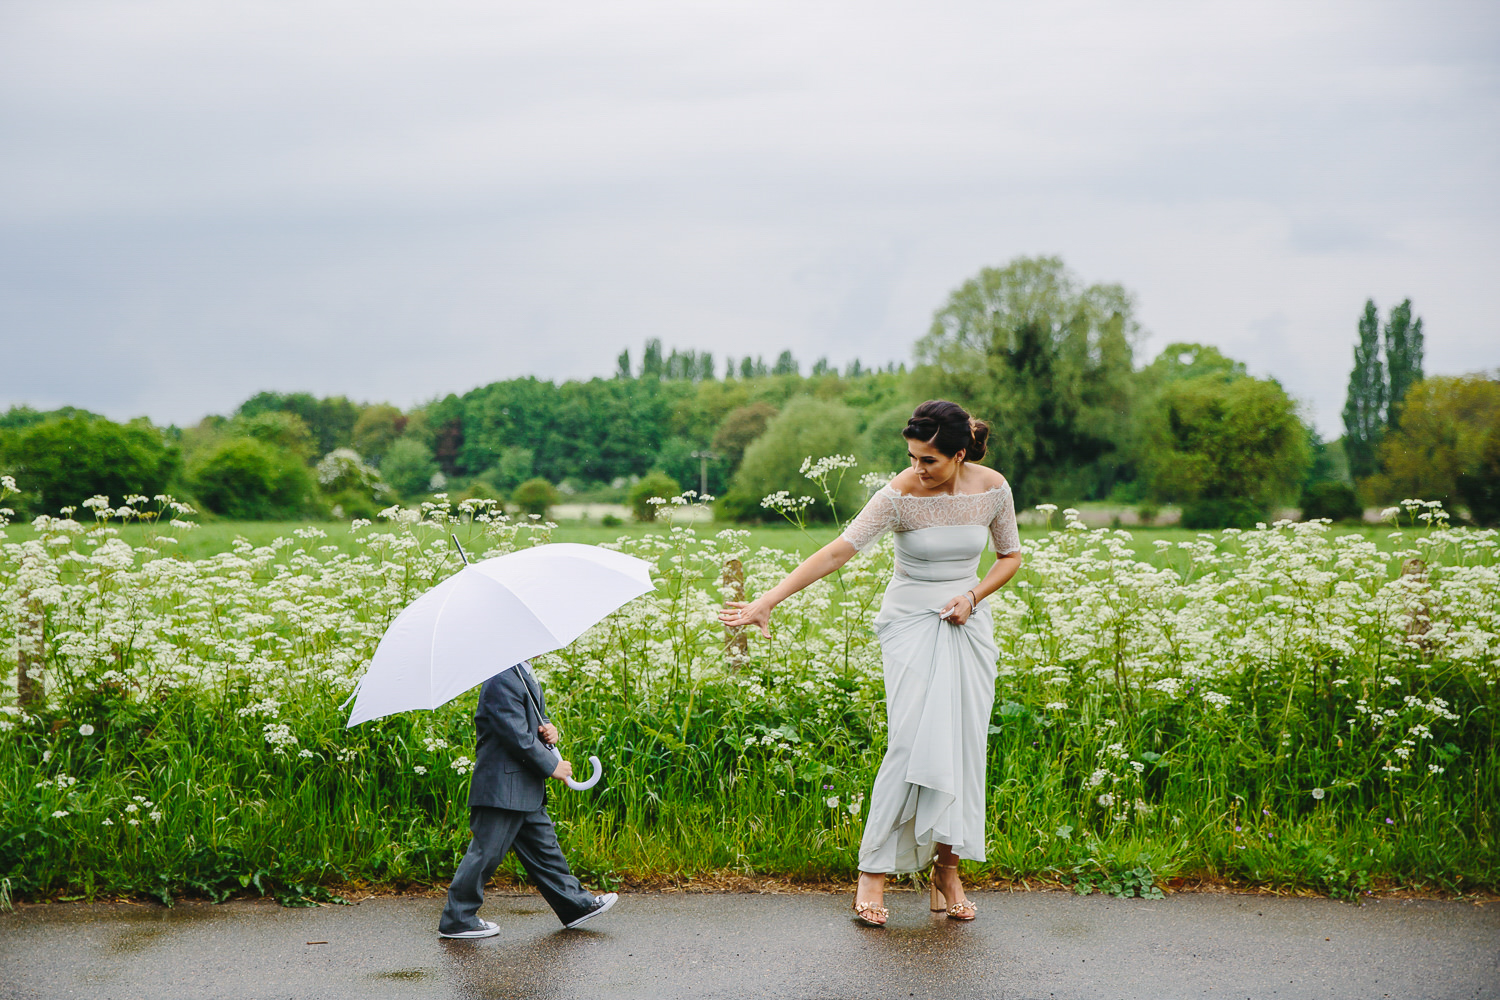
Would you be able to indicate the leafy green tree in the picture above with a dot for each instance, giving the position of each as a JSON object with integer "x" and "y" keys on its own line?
{"x": 882, "y": 443}
{"x": 331, "y": 420}
{"x": 1445, "y": 422}
{"x": 1328, "y": 465}
{"x": 697, "y": 416}
{"x": 690, "y": 366}
{"x": 1210, "y": 513}
{"x": 786, "y": 364}
{"x": 1180, "y": 361}
{"x": 515, "y": 466}
{"x": 1333, "y": 500}
{"x": 376, "y": 430}
{"x": 1365, "y": 405}
{"x": 536, "y": 496}
{"x": 739, "y": 429}
{"x": 1048, "y": 363}
{"x": 1207, "y": 439}
{"x": 593, "y": 431}
{"x": 1479, "y": 485}
{"x": 806, "y": 428}
{"x": 419, "y": 426}
{"x": 284, "y": 431}
{"x": 248, "y": 480}
{"x": 1403, "y": 359}
{"x": 408, "y": 467}
{"x": 18, "y": 418}
{"x": 652, "y": 364}
{"x": 65, "y": 460}
{"x": 447, "y": 418}
{"x": 657, "y": 484}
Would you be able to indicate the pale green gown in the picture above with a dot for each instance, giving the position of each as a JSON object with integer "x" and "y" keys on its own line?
{"x": 939, "y": 677}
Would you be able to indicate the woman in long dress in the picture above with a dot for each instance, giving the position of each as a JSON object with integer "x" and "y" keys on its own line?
{"x": 937, "y": 643}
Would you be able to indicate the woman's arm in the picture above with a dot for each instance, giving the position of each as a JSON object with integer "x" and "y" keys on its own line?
{"x": 826, "y": 560}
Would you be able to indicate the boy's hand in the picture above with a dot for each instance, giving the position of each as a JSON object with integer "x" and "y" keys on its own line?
{"x": 564, "y": 770}
{"x": 548, "y": 732}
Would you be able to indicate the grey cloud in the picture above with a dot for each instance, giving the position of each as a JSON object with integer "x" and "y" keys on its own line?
{"x": 397, "y": 202}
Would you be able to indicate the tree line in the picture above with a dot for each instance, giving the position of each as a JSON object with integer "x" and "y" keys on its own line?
{"x": 1049, "y": 361}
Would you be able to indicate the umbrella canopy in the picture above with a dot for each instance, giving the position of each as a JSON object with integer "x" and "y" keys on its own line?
{"x": 490, "y": 615}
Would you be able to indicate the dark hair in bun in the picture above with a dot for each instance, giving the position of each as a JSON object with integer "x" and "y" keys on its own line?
{"x": 948, "y": 428}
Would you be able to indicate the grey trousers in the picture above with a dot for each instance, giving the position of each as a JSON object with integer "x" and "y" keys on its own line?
{"x": 534, "y": 838}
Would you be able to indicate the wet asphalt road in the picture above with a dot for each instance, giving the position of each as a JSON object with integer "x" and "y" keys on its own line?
{"x": 1024, "y": 945}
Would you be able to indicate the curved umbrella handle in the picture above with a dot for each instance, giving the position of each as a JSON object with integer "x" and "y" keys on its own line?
{"x": 583, "y": 786}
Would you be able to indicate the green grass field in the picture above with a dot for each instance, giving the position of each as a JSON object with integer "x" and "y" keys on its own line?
{"x": 217, "y": 535}
{"x": 1283, "y": 709}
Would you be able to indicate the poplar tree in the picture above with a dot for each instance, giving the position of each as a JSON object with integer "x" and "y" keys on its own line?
{"x": 652, "y": 363}
{"x": 1365, "y": 409}
{"x": 1403, "y": 359}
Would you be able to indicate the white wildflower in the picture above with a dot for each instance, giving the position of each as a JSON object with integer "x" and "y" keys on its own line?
{"x": 279, "y": 735}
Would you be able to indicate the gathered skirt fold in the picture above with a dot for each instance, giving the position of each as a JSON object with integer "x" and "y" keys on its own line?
{"x": 939, "y": 691}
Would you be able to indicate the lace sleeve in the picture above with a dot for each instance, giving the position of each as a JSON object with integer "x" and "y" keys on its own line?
{"x": 1003, "y": 534}
{"x": 878, "y": 517}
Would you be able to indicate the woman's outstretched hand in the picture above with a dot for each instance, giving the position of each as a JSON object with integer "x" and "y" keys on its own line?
{"x": 738, "y": 614}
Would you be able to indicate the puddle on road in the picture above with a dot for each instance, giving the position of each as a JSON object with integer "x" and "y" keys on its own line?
{"x": 1074, "y": 931}
{"x": 135, "y": 939}
{"x": 402, "y": 974}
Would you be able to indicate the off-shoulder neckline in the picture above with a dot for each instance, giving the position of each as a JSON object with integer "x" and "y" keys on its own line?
{"x": 1004, "y": 485}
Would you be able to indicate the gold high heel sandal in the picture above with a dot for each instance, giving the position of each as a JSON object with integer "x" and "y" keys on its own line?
{"x": 938, "y": 903}
{"x": 869, "y": 914}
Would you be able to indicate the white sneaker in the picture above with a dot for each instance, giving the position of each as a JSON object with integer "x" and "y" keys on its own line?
{"x": 605, "y": 902}
{"x": 484, "y": 930}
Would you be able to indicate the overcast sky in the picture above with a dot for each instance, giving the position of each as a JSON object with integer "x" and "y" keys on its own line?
{"x": 396, "y": 201}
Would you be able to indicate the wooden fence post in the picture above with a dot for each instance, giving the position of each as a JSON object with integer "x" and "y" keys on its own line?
{"x": 735, "y": 642}
{"x": 29, "y": 654}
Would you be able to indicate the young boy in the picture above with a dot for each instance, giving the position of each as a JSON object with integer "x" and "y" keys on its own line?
{"x": 507, "y": 808}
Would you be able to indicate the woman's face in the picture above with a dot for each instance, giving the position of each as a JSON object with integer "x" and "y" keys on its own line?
{"x": 934, "y": 469}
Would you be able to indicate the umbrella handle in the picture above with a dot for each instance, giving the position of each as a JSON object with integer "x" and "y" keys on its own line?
{"x": 593, "y": 779}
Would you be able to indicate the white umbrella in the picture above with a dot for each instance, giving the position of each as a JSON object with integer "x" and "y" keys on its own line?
{"x": 491, "y": 615}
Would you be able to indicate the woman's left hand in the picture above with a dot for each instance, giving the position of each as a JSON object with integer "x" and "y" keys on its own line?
{"x": 958, "y": 610}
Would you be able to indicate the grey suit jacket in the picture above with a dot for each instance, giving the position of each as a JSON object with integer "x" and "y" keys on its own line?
{"x": 511, "y": 763}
